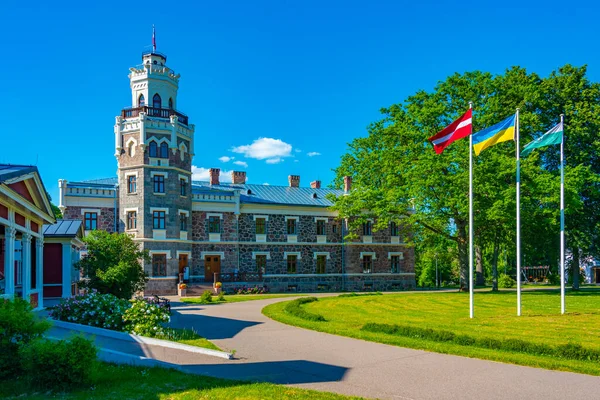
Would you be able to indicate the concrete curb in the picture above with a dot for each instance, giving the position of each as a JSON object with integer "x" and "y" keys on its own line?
{"x": 140, "y": 339}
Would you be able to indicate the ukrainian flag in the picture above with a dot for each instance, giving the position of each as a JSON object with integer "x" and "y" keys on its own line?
{"x": 501, "y": 132}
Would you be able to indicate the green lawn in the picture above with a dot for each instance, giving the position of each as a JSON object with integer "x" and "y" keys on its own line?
{"x": 126, "y": 382}
{"x": 495, "y": 317}
{"x": 236, "y": 298}
{"x": 188, "y": 336}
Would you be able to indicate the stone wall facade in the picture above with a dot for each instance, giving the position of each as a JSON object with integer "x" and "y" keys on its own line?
{"x": 106, "y": 217}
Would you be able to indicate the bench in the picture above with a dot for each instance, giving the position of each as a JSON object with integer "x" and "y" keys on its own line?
{"x": 163, "y": 302}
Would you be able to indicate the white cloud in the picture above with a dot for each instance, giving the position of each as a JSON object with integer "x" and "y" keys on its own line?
{"x": 296, "y": 160}
{"x": 275, "y": 160}
{"x": 202, "y": 174}
{"x": 265, "y": 148}
{"x": 266, "y": 183}
{"x": 298, "y": 151}
{"x": 241, "y": 163}
{"x": 225, "y": 159}
{"x": 313, "y": 153}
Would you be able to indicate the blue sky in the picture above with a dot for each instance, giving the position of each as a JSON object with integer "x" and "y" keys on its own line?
{"x": 311, "y": 75}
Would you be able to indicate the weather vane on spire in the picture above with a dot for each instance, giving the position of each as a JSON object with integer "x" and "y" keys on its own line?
{"x": 153, "y": 38}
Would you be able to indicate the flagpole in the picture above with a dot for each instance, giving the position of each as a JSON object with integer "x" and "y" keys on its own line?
{"x": 562, "y": 220}
{"x": 518, "y": 215}
{"x": 471, "y": 306}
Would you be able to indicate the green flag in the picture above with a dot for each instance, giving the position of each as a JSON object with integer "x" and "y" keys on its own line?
{"x": 553, "y": 136}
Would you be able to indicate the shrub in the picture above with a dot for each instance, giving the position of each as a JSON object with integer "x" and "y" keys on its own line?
{"x": 145, "y": 318}
{"x": 58, "y": 364}
{"x": 218, "y": 285}
{"x": 206, "y": 297}
{"x": 505, "y": 281}
{"x": 294, "y": 308}
{"x": 18, "y": 326}
{"x": 94, "y": 309}
{"x": 221, "y": 296}
{"x": 353, "y": 294}
{"x": 182, "y": 286}
{"x": 251, "y": 290}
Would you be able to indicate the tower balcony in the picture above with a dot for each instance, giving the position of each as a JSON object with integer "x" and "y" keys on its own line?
{"x": 133, "y": 112}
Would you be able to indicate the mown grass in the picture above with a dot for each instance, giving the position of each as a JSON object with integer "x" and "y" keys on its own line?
{"x": 190, "y": 337}
{"x": 237, "y": 298}
{"x": 120, "y": 382}
{"x": 495, "y": 318}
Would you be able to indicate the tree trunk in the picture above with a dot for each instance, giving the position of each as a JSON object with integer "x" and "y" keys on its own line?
{"x": 463, "y": 255}
{"x": 495, "y": 264}
{"x": 480, "y": 281}
{"x": 575, "y": 268}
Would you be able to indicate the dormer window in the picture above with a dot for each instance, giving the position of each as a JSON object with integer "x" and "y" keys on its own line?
{"x": 170, "y": 103}
{"x": 153, "y": 149}
{"x": 141, "y": 101}
{"x": 156, "y": 101}
{"x": 164, "y": 150}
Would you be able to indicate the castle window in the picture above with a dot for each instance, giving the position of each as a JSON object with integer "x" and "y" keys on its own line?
{"x": 153, "y": 149}
{"x": 183, "y": 222}
{"x": 261, "y": 226}
{"x": 367, "y": 228}
{"x": 214, "y": 225}
{"x": 367, "y": 264}
{"x": 170, "y": 103}
{"x": 159, "y": 265}
{"x": 156, "y": 101}
{"x": 321, "y": 264}
{"x": 321, "y": 227}
{"x": 141, "y": 101}
{"x": 159, "y": 183}
{"x": 261, "y": 263}
{"x": 291, "y": 226}
{"x": 393, "y": 229}
{"x": 395, "y": 264}
{"x": 158, "y": 219}
{"x": 292, "y": 263}
{"x": 130, "y": 150}
{"x": 131, "y": 184}
{"x": 91, "y": 221}
{"x": 182, "y": 187}
{"x": 131, "y": 220}
{"x": 164, "y": 150}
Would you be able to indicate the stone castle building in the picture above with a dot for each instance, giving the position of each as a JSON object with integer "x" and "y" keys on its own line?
{"x": 283, "y": 237}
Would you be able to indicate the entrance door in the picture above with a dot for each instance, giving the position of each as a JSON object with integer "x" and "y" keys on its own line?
{"x": 183, "y": 262}
{"x": 212, "y": 265}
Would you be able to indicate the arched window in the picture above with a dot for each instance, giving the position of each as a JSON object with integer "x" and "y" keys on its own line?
{"x": 130, "y": 149}
{"x": 170, "y": 103}
{"x": 153, "y": 149}
{"x": 141, "y": 101}
{"x": 156, "y": 102}
{"x": 164, "y": 150}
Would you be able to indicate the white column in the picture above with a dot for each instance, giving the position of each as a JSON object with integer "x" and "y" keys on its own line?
{"x": 67, "y": 266}
{"x": 62, "y": 189}
{"x": 174, "y": 133}
{"x": 118, "y": 148}
{"x": 26, "y": 264}
{"x": 10, "y": 234}
{"x": 143, "y": 130}
{"x": 39, "y": 267}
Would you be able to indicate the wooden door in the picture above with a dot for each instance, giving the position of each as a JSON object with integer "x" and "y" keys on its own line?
{"x": 183, "y": 262}
{"x": 212, "y": 265}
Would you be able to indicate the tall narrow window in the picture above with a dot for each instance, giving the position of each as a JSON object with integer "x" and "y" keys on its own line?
{"x": 367, "y": 264}
{"x": 261, "y": 263}
{"x": 321, "y": 264}
{"x": 367, "y": 231}
{"x": 158, "y": 219}
{"x": 393, "y": 229}
{"x": 153, "y": 149}
{"x": 91, "y": 221}
{"x": 164, "y": 150}
{"x": 141, "y": 101}
{"x": 261, "y": 226}
{"x": 292, "y": 263}
{"x": 182, "y": 187}
{"x": 291, "y": 226}
{"x": 170, "y": 103}
{"x": 183, "y": 222}
{"x": 159, "y": 265}
{"x": 131, "y": 184}
{"x": 214, "y": 225}
{"x": 156, "y": 102}
{"x": 130, "y": 149}
{"x": 159, "y": 183}
{"x": 395, "y": 264}
{"x": 321, "y": 227}
{"x": 131, "y": 220}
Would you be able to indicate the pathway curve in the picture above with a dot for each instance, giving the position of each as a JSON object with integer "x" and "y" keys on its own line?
{"x": 271, "y": 351}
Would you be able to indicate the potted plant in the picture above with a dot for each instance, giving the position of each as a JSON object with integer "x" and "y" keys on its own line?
{"x": 182, "y": 289}
{"x": 217, "y": 287}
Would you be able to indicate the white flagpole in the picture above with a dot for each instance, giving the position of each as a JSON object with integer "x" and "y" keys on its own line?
{"x": 562, "y": 220}
{"x": 518, "y": 214}
{"x": 471, "y": 306}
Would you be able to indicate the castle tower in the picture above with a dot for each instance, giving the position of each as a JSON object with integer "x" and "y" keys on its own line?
{"x": 154, "y": 145}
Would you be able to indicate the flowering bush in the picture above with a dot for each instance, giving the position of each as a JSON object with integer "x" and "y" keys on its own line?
{"x": 94, "y": 309}
{"x": 146, "y": 318}
{"x": 250, "y": 290}
{"x": 218, "y": 285}
{"x": 182, "y": 286}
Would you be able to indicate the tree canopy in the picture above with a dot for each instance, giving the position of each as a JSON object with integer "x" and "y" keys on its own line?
{"x": 398, "y": 177}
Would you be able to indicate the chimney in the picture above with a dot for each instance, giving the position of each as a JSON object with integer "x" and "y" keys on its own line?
{"x": 214, "y": 176}
{"x": 315, "y": 184}
{"x": 347, "y": 183}
{"x": 238, "y": 177}
{"x": 294, "y": 180}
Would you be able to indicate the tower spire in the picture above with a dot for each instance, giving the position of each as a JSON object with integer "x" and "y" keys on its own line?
{"x": 153, "y": 38}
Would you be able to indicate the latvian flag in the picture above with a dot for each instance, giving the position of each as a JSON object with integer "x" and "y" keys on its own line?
{"x": 459, "y": 129}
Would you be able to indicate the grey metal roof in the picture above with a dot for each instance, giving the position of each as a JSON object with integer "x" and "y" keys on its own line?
{"x": 63, "y": 228}
{"x": 9, "y": 171}
{"x": 104, "y": 183}
{"x": 270, "y": 194}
